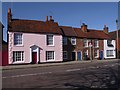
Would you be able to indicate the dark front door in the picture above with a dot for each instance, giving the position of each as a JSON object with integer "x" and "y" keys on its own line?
{"x": 34, "y": 57}
{"x": 101, "y": 54}
{"x": 73, "y": 55}
{"x": 79, "y": 55}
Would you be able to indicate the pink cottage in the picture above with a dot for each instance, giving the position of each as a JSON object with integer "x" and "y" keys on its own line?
{"x": 31, "y": 41}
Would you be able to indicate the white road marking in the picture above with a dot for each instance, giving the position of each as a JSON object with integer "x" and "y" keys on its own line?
{"x": 23, "y": 75}
{"x": 69, "y": 70}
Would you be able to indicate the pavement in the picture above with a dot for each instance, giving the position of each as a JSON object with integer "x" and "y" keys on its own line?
{"x": 10, "y": 67}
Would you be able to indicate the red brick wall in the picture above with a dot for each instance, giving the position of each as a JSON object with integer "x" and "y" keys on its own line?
{"x": 5, "y": 58}
{"x": 79, "y": 47}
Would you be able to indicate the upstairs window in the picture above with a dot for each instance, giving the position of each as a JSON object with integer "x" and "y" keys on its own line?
{"x": 64, "y": 40}
{"x": 109, "y": 43}
{"x": 18, "y": 39}
{"x": 96, "y": 43}
{"x": 85, "y": 43}
{"x": 50, "y": 40}
{"x": 73, "y": 41}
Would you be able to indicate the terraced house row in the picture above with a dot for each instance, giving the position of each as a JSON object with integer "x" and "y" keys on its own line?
{"x": 32, "y": 41}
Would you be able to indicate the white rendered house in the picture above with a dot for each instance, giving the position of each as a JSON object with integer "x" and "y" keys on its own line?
{"x": 109, "y": 49}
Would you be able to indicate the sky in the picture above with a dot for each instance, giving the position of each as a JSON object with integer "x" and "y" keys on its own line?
{"x": 93, "y": 14}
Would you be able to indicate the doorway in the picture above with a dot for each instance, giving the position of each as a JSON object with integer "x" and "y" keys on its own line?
{"x": 34, "y": 57}
{"x": 73, "y": 56}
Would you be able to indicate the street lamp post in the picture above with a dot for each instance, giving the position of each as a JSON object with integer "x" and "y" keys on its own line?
{"x": 117, "y": 38}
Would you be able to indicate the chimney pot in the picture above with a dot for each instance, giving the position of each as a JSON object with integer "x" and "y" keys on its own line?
{"x": 105, "y": 29}
{"x": 9, "y": 10}
{"x": 84, "y": 27}
{"x": 46, "y": 18}
{"x": 50, "y": 17}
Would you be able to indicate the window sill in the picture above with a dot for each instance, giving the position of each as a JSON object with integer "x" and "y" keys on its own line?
{"x": 16, "y": 62}
{"x": 18, "y": 45}
{"x": 50, "y": 60}
{"x": 50, "y": 45}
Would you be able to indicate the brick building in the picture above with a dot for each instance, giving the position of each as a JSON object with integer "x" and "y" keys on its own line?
{"x": 113, "y": 35}
{"x": 83, "y": 43}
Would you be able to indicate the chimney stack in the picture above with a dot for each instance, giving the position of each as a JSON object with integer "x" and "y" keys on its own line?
{"x": 51, "y": 19}
{"x": 9, "y": 15}
{"x": 105, "y": 29}
{"x": 84, "y": 27}
{"x": 46, "y": 18}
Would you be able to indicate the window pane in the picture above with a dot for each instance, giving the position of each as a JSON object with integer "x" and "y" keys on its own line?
{"x": 49, "y": 55}
{"x": 17, "y": 39}
{"x": 64, "y": 40}
{"x": 49, "y": 39}
{"x": 18, "y": 56}
{"x": 85, "y": 43}
{"x": 73, "y": 41}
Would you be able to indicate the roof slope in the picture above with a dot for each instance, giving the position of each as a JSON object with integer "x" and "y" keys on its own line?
{"x": 34, "y": 26}
{"x": 77, "y": 32}
{"x": 113, "y": 34}
{"x": 68, "y": 31}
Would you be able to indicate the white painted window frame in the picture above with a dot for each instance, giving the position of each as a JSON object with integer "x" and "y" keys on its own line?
{"x": 86, "y": 42}
{"x": 97, "y": 43}
{"x": 52, "y": 56}
{"x": 22, "y": 40}
{"x": 48, "y": 41}
{"x": 21, "y": 57}
{"x": 97, "y": 53}
{"x": 73, "y": 39}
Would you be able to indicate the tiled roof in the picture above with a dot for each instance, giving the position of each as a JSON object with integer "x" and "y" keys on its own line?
{"x": 34, "y": 26}
{"x": 68, "y": 31}
{"x": 51, "y": 27}
{"x": 96, "y": 34}
{"x": 113, "y": 34}
{"x": 77, "y": 32}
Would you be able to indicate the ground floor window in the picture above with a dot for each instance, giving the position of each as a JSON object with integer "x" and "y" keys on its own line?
{"x": 85, "y": 53}
{"x": 109, "y": 53}
{"x": 64, "y": 54}
{"x": 18, "y": 56}
{"x": 96, "y": 53}
{"x": 49, "y": 55}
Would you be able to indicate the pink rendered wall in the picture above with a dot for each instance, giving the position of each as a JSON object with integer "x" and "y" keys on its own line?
{"x": 29, "y": 40}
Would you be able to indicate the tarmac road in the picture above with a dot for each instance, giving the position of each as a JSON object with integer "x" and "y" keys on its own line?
{"x": 98, "y": 74}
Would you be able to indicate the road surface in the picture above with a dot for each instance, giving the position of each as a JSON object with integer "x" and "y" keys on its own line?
{"x": 77, "y": 75}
